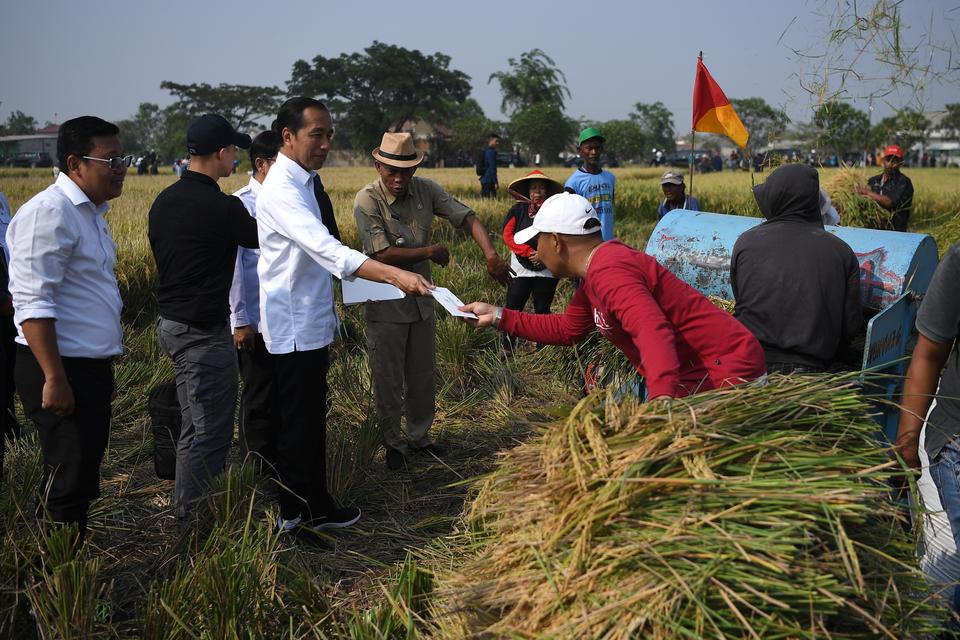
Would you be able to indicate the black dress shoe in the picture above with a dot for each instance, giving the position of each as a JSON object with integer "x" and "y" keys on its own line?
{"x": 395, "y": 460}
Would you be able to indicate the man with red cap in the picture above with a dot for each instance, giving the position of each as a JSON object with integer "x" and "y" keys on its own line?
{"x": 891, "y": 189}
{"x": 674, "y": 337}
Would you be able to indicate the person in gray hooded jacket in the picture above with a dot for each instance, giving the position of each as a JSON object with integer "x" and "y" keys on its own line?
{"x": 797, "y": 287}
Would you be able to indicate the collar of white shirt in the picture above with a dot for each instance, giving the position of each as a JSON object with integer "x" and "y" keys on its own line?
{"x": 296, "y": 173}
{"x": 254, "y": 185}
{"x": 76, "y": 194}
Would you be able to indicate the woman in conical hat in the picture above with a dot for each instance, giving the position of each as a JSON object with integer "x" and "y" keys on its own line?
{"x": 531, "y": 276}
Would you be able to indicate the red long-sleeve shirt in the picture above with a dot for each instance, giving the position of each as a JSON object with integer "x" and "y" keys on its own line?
{"x": 677, "y": 339}
{"x": 520, "y": 249}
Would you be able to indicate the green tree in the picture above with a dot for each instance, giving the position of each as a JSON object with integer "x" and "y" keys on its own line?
{"x": 842, "y": 127}
{"x": 144, "y": 131}
{"x": 625, "y": 139}
{"x": 470, "y": 127}
{"x": 906, "y": 128}
{"x": 656, "y": 124}
{"x": 172, "y": 139}
{"x": 543, "y": 128}
{"x": 240, "y": 104}
{"x": 381, "y": 89}
{"x": 951, "y": 121}
{"x": 533, "y": 78}
{"x": 763, "y": 122}
{"x": 18, "y": 123}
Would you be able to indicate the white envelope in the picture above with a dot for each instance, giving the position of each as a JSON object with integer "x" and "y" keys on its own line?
{"x": 360, "y": 290}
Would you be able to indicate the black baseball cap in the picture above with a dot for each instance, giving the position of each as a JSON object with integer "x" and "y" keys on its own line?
{"x": 209, "y": 133}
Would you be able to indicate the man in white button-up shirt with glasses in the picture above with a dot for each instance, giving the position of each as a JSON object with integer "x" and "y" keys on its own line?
{"x": 298, "y": 255}
{"x": 68, "y": 314}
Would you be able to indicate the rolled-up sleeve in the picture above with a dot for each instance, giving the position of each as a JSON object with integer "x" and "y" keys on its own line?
{"x": 238, "y": 297}
{"x": 288, "y": 212}
{"x": 41, "y": 240}
{"x": 370, "y": 223}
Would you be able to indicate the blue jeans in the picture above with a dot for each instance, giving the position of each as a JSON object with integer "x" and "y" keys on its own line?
{"x": 945, "y": 471}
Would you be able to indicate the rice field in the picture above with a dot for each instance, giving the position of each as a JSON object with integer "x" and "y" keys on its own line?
{"x": 427, "y": 534}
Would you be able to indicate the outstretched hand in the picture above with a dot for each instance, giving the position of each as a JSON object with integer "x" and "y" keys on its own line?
{"x": 412, "y": 283}
{"x": 486, "y": 313}
{"x": 498, "y": 269}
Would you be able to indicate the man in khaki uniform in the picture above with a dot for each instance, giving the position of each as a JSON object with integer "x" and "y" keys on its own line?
{"x": 394, "y": 215}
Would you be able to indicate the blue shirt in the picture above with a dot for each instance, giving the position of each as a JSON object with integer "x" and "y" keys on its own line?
{"x": 245, "y": 288}
{"x": 689, "y": 203}
{"x": 489, "y": 166}
{"x": 4, "y": 223}
{"x": 598, "y": 188}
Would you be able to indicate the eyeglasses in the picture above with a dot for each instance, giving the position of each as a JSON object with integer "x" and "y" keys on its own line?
{"x": 116, "y": 163}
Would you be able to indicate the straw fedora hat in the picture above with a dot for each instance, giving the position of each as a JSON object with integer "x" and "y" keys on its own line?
{"x": 521, "y": 186}
{"x": 397, "y": 150}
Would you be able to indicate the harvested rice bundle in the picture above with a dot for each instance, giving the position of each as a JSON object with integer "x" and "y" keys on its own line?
{"x": 855, "y": 210}
{"x": 723, "y": 303}
{"x": 744, "y": 513}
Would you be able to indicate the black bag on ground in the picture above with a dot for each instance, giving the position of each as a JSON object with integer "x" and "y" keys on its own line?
{"x": 165, "y": 421}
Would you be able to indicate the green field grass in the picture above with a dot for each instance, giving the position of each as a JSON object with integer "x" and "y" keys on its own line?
{"x": 228, "y": 575}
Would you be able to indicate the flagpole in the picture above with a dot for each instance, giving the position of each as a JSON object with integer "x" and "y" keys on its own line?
{"x": 693, "y": 143}
{"x": 693, "y": 158}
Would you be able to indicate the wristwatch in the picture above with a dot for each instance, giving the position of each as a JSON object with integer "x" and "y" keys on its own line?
{"x": 498, "y": 318}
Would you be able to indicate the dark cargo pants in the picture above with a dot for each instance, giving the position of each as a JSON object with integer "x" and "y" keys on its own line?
{"x": 205, "y": 364}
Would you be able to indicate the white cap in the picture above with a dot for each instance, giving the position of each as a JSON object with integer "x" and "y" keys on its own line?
{"x": 567, "y": 213}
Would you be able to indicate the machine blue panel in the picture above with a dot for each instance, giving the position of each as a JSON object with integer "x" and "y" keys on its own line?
{"x": 697, "y": 246}
{"x": 895, "y": 268}
{"x": 887, "y": 340}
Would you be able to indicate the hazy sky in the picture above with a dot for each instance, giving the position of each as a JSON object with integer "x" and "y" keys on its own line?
{"x": 61, "y": 59}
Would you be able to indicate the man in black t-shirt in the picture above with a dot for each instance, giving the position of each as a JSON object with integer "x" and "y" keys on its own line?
{"x": 891, "y": 189}
{"x": 194, "y": 231}
{"x": 930, "y": 420}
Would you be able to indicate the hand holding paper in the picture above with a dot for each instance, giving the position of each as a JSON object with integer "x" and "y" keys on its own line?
{"x": 451, "y": 303}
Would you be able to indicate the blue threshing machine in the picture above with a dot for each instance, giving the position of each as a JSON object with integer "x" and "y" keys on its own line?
{"x": 895, "y": 270}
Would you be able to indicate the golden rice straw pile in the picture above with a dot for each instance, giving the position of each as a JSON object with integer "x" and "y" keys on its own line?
{"x": 745, "y": 513}
{"x": 855, "y": 210}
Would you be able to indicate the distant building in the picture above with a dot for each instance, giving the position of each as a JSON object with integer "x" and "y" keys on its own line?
{"x": 430, "y": 138}
{"x": 30, "y": 143}
{"x": 940, "y": 144}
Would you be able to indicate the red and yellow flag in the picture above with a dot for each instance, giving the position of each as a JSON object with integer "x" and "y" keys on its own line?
{"x": 712, "y": 112}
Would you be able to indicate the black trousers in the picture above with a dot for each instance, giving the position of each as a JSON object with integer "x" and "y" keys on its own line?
{"x": 259, "y": 407}
{"x": 9, "y": 428}
{"x": 488, "y": 190}
{"x": 301, "y": 378}
{"x": 519, "y": 292}
{"x": 8, "y": 422}
{"x": 72, "y": 446}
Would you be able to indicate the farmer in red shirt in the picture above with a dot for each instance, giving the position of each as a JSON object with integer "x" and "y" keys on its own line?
{"x": 674, "y": 337}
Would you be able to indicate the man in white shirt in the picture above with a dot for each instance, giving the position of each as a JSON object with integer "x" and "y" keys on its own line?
{"x": 259, "y": 408}
{"x": 297, "y": 257}
{"x": 68, "y": 314}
